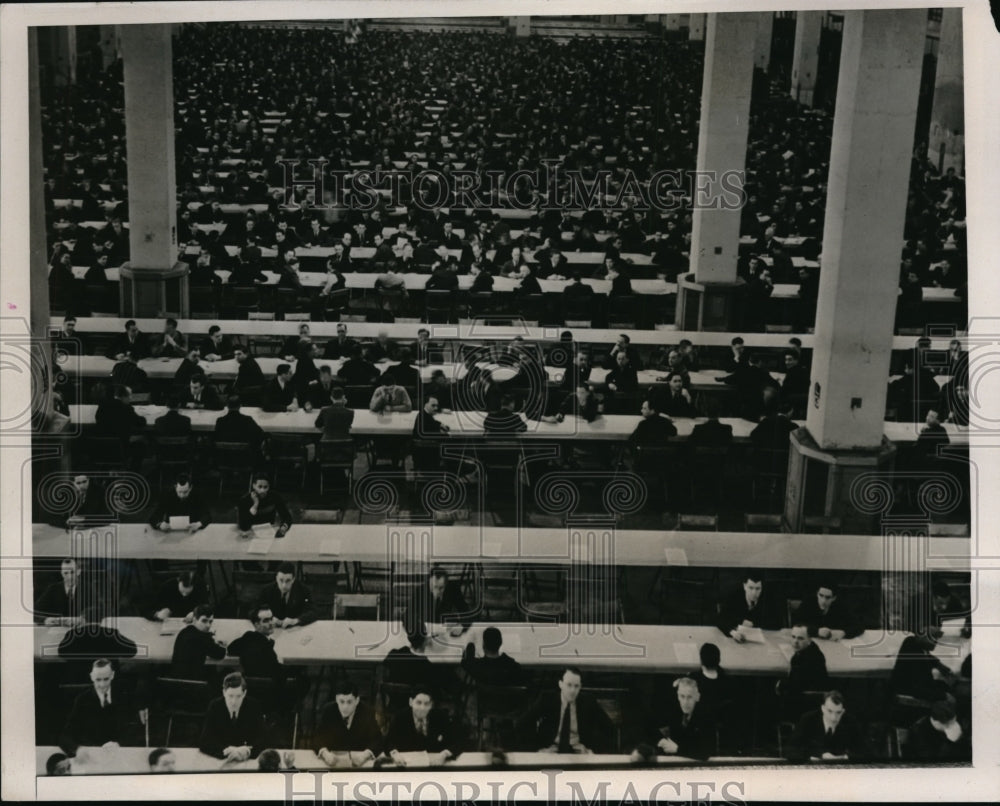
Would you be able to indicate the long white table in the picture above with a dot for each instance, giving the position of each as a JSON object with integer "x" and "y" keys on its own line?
{"x": 612, "y": 427}
{"x": 477, "y": 332}
{"x": 135, "y": 761}
{"x": 639, "y": 648}
{"x": 313, "y": 542}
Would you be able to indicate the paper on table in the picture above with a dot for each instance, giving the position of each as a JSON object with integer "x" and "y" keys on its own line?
{"x": 330, "y": 545}
{"x": 260, "y": 545}
{"x": 264, "y": 530}
{"x": 752, "y": 634}
{"x": 952, "y": 626}
{"x": 676, "y": 556}
{"x": 687, "y": 653}
{"x": 179, "y": 521}
{"x": 416, "y": 759}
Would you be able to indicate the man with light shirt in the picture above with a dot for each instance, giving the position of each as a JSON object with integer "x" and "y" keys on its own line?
{"x": 567, "y": 722}
{"x": 827, "y": 734}
{"x": 234, "y": 727}
{"x": 347, "y": 725}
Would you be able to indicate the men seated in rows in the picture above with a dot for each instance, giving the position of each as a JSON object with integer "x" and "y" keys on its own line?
{"x": 494, "y": 668}
{"x": 131, "y": 341}
{"x": 195, "y": 644}
{"x": 826, "y": 617}
{"x": 828, "y": 733}
{"x": 171, "y": 343}
{"x": 86, "y": 505}
{"x": 234, "y": 727}
{"x": 675, "y": 400}
{"x": 319, "y": 392}
{"x": 104, "y": 715}
{"x": 622, "y": 379}
{"x": 262, "y": 506}
{"x": 189, "y": 366}
{"x": 582, "y": 402}
{"x": 750, "y": 381}
{"x": 652, "y": 429}
{"x": 279, "y": 393}
{"x": 566, "y": 721}
{"x": 288, "y": 598}
{"x": 255, "y": 648}
{"x": 290, "y": 347}
{"x": 181, "y": 507}
{"x": 347, "y": 725}
{"x": 200, "y": 394}
{"x": 748, "y": 607}
{"x": 438, "y": 602}
{"x": 423, "y": 727}
{"x": 172, "y": 423}
{"x": 341, "y": 347}
{"x": 440, "y": 387}
{"x": 178, "y": 597}
{"x": 623, "y": 344}
{"x": 216, "y": 346}
{"x": 383, "y": 348}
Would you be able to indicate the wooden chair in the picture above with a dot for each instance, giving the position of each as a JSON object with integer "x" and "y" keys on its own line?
{"x": 182, "y": 699}
{"x": 337, "y": 454}
{"x": 233, "y": 460}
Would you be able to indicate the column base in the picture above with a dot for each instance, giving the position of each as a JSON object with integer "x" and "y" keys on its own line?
{"x": 819, "y": 486}
{"x": 708, "y": 306}
{"x": 154, "y": 293}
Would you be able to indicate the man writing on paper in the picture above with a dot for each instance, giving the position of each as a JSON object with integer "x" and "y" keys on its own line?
{"x": 180, "y": 508}
{"x": 747, "y": 608}
{"x": 262, "y": 506}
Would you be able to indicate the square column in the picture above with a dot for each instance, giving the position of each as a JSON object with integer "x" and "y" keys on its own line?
{"x": 762, "y": 45}
{"x": 696, "y": 27}
{"x": 805, "y": 56}
{"x": 708, "y": 298}
{"x": 153, "y": 282}
{"x": 873, "y": 130}
{"x": 946, "y": 142}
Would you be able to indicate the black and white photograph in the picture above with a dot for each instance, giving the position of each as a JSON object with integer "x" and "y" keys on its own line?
{"x": 416, "y": 404}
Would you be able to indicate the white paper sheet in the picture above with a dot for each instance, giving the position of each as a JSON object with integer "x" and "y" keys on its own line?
{"x": 752, "y": 635}
{"x": 179, "y": 521}
{"x": 676, "y": 556}
{"x": 687, "y": 653}
{"x": 260, "y": 545}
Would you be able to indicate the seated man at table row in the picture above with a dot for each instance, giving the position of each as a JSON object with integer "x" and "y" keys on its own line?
{"x": 104, "y": 715}
{"x": 180, "y": 508}
{"x": 262, "y": 506}
{"x": 234, "y": 728}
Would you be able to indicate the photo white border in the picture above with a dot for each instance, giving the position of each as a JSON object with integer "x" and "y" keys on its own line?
{"x": 982, "y": 143}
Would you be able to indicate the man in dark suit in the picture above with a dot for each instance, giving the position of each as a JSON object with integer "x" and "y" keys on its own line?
{"x": 335, "y": 418}
{"x": 249, "y": 375}
{"x": 194, "y": 644}
{"x": 771, "y": 433}
{"x": 234, "y": 426}
{"x": 340, "y": 347}
{"x": 279, "y": 392}
{"x": 566, "y": 721}
{"x": 940, "y": 736}
{"x": 750, "y": 381}
{"x": 421, "y": 350}
{"x": 357, "y": 370}
{"x": 712, "y": 433}
{"x": 737, "y": 356}
{"x": 675, "y": 400}
{"x": 215, "y": 346}
{"x": 101, "y": 716}
{"x": 234, "y": 723}
{"x": 187, "y": 369}
{"x": 290, "y": 349}
{"x": 289, "y": 600}
{"x": 87, "y": 505}
{"x": 686, "y": 729}
{"x": 255, "y": 648}
{"x": 200, "y": 395}
{"x": 128, "y": 373}
{"x": 263, "y": 506}
{"x": 495, "y": 668}
{"x": 61, "y": 603}
{"x": 347, "y": 725}
{"x": 440, "y": 600}
{"x": 748, "y": 607}
{"x": 652, "y": 429}
{"x": 806, "y": 672}
{"x": 131, "y": 341}
{"x": 178, "y": 597}
{"x": 180, "y": 500}
{"x": 319, "y": 393}
{"x": 623, "y": 379}
{"x": 115, "y": 416}
{"x": 504, "y": 421}
{"x": 795, "y": 386}
{"x": 173, "y": 423}
{"x": 171, "y": 343}
{"x": 826, "y": 617}
{"x": 828, "y": 734}
{"x": 422, "y": 727}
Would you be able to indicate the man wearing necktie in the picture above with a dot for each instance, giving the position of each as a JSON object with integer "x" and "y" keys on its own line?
{"x": 289, "y": 599}
{"x": 102, "y": 716}
{"x": 748, "y": 607}
{"x": 421, "y": 727}
{"x": 828, "y": 733}
{"x": 440, "y": 601}
{"x": 234, "y": 727}
{"x": 61, "y": 603}
{"x": 347, "y": 725}
{"x": 686, "y": 730}
{"x": 567, "y": 721}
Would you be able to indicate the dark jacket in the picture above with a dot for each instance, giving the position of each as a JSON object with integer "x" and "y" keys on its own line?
{"x": 256, "y": 654}
{"x": 271, "y": 507}
{"x": 172, "y": 424}
{"x": 711, "y": 434}
{"x": 696, "y": 739}
{"x": 169, "y": 596}
{"x": 193, "y": 506}
{"x": 335, "y": 421}
{"x": 542, "y": 721}
{"x": 924, "y": 743}
{"x": 838, "y": 617}
{"x": 191, "y": 648}
{"x": 653, "y": 431}
{"x": 219, "y": 731}
{"x": 235, "y": 426}
{"x": 333, "y": 734}
{"x": 117, "y": 418}
{"x": 807, "y": 671}
{"x": 500, "y": 671}
{"x": 91, "y": 725}
{"x": 209, "y": 398}
{"x": 735, "y": 611}
{"x": 810, "y": 739}
{"x": 275, "y": 398}
{"x": 299, "y": 603}
{"x": 442, "y": 734}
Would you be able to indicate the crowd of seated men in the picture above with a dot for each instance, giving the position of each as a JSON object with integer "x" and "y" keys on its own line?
{"x": 563, "y": 114}
{"x": 417, "y": 705}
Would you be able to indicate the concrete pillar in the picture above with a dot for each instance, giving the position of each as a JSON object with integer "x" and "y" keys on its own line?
{"x": 873, "y": 130}
{"x": 805, "y": 56}
{"x": 521, "y": 25}
{"x": 706, "y": 297}
{"x": 946, "y": 141}
{"x": 672, "y": 22}
{"x": 762, "y": 46}
{"x": 153, "y": 283}
{"x": 63, "y": 43}
{"x": 108, "y": 42}
{"x": 696, "y": 27}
